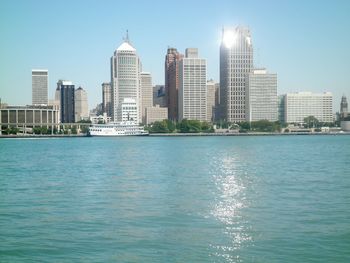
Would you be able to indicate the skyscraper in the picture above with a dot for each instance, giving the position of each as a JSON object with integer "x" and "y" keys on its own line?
{"x": 107, "y": 98}
{"x": 261, "y": 96}
{"x": 343, "y": 107}
{"x": 236, "y": 61}
{"x": 193, "y": 87}
{"x": 212, "y": 100}
{"x": 40, "y": 86}
{"x": 81, "y": 105}
{"x": 172, "y": 60}
{"x": 125, "y": 74}
{"x": 67, "y": 90}
{"x": 146, "y": 93}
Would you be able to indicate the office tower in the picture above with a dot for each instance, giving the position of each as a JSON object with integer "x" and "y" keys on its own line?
{"x": 159, "y": 96}
{"x": 236, "y": 61}
{"x": 300, "y": 105}
{"x": 172, "y": 60}
{"x": 146, "y": 93}
{"x": 129, "y": 110}
{"x": 125, "y": 73}
{"x": 193, "y": 87}
{"x": 281, "y": 111}
{"x": 156, "y": 113}
{"x": 261, "y": 96}
{"x": 211, "y": 102}
{"x": 67, "y": 99}
{"x": 107, "y": 98}
{"x": 40, "y": 80}
{"x": 343, "y": 107}
{"x": 81, "y": 105}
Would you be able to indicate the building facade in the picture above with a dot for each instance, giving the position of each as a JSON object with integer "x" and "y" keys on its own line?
{"x": 261, "y": 96}
{"x": 40, "y": 83}
{"x": 129, "y": 110}
{"x": 193, "y": 87}
{"x": 146, "y": 93}
{"x": 125, "y": 78}
{"x": 107, "y": 98}
{"x": 67, "y": 107}
{"x": 156, "y": 113}
{"x": 212, "y": 99}
{"x": 172, "y": 61}
{"x": 343, "y": 107}
{"x": 81, "y": 105}
{"x": 236, "y": 61}
{"x": 300, "y": 105}
{"x": 281, "y": 111}
{"x": 159, "y": 96}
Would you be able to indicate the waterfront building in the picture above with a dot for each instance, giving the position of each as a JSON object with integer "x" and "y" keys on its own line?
{"x": 107, "y": 98}
{"x": 129, "y": 110}
{"x": 156, "y": 113}
{"x": 125, "y": 78}
{"x": 172, "y": 60}
{"x": 212, "y": 99}
{"x": 81, "y": 105}
{"x": 146, "y": 93}
{"x": 193, "y": 87}
{"x": 159, "y": 96}
{"x": 343, "y": 107}
{"x": 261, "y": 96}
{"x": 27, "y": 117}
{"x": 300, "y": 105}
{"x": 236, "y": 61}
{"x": 67, "y": 107}
{"x": 281, "y": 111}
{"x": 40, "y": 83}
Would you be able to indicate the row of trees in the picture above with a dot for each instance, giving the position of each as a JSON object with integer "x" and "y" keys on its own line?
{"x": 184, "y": 126}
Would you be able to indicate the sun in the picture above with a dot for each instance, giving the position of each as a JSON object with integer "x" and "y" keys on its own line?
{"x": 229, "y": 38}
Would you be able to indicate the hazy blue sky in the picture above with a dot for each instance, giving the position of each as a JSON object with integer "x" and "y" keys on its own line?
{"x": 305, "y": 42}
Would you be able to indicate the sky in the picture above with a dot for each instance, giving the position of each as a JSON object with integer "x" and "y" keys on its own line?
{"x": 305, "y": 42}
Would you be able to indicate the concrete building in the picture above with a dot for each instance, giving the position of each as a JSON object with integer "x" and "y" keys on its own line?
{"x": 125, "y": 78}
{"x": 67, "y": 107}
{"x": 212, "y": 99}
{"x": 146, "y": 93}
{"x": 343, "y": 108}
{"x": 193, "y": 87}
{"x": 107, "y": 98}
{"x": 172, "y": 60}
{"x": 26, "y": 117}
{"x": 40, "y": 83}
{"x": 261, "y": 96}
{"x": 156, "y": 113}
{"x": 81, "y": 105}
{"x": 236, "y": 61}
{"x": 300, "y": 105}
{"x": 159, "y": 96}
{"x": 281, "y": 111}
{"x": 129, "y": 110}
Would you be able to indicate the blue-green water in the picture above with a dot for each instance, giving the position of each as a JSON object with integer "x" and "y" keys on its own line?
{"x": 180, "y": 199}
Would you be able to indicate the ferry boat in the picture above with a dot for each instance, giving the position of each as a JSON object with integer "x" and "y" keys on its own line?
{"x": 126, "y": 128}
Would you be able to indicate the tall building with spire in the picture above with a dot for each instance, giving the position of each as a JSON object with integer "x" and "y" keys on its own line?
{"x": 343, "y": 107}
{"x": 172, "y": 62}
{"x": 236, "y": 61}
{"x": 125, "y": 79}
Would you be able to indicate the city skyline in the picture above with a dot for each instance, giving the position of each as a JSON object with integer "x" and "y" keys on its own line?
{"x": 308, "y": 53}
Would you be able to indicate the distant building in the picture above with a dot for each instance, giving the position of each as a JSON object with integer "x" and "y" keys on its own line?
{"x": 193, "y": 87}
{"x": 146, "y": 93}
{"x": 156, "y": 113}
{"x": 81, "y": 105}
{"x": 125, "y": 73}
{"x": 281, "y": 111}
{"x": 236, "y": 61}
{"x": 172, "y": 60}
{"x": 107, "y": 98}
{"x": 343, "y": 107}
{"x": 40, "y": 83}
{"x": 159, "y": 96}
{"x": 261, "y": 96}
{"x": 300, "y": 105}
{"x": 213, "y": 90}
{"x": 67, "y": 90}
{"x": 129, "y": 110}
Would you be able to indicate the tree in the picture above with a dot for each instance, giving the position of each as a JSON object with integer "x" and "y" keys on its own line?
{"x": 311, "y": 122}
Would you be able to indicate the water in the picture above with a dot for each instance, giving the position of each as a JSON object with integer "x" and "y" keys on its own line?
{"x": 181, "y": 199}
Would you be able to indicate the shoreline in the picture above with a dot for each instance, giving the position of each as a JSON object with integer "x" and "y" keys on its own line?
{"x": 178, "y": 135}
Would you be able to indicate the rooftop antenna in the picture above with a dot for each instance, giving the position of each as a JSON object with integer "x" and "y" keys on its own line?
{"x": 126, "y": 39}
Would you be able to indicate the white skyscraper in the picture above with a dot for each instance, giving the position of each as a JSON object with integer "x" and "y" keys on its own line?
{"x": 193, "y": 87}
{"x": 81, "y": 105}
{"x": 125, "y": 78}
{"x": 300, "y": 105}
{"x": 40, "y": 80}
{"x": 236, "y": 61}
{"x": 261, "y": 96}
{"x": 146, "y": 93}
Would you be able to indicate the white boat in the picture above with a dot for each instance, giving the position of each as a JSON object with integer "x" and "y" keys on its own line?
{"x": 127, "y": 128}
